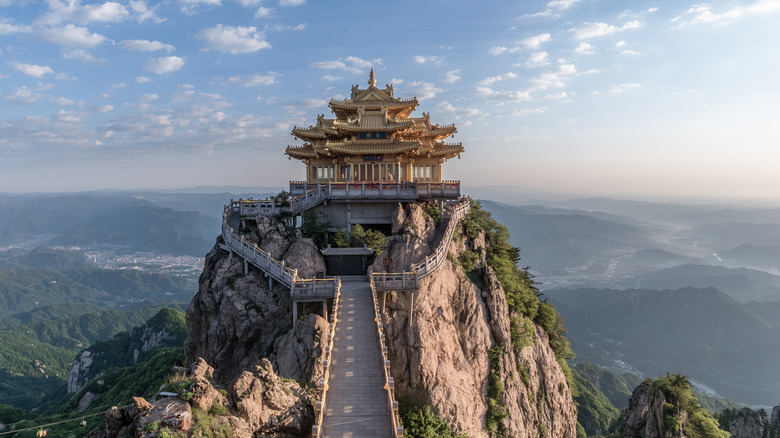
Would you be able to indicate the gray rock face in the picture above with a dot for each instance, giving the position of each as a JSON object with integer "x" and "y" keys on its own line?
{"x": 299, "y": 353}
{"x": 439, "y": 352}
{"x": 774, "y": 421}
{"x": 748, "y": 424}
{"x": 79, "y": 372}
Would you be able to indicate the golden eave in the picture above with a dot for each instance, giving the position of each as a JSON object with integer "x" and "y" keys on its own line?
{"x": 359, "y": 147}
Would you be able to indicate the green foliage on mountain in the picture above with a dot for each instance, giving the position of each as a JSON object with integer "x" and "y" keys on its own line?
{"x": 121, "y": 350}
{"x": 521, "y": 294}
{"x": 47, "y": 258}
{"x": 616, "y": 386}
{"x": 679, "y": 396}
{"x": 594, "y": 410}
{"x": 35, "y": 358}
{"x": 119, "y": 384}
{"x": 421, "y": 422}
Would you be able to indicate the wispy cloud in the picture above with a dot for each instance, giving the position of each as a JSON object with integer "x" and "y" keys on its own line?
{"x": 71, "y": 35}
{"x": 427, "y": 59}
{"x": 234, "y": 40}
{"x": 301, "y": 26}
{"x": 351, "y": 64}
{"x": 164, "y": 64}
{"x": 8, "y": 28}
{"x": 291, "y": 3}
{"x": 251, "y": 80}
{"x": 592, "y": 30}
{"x": 452, "y": 76}
{"x": 492, "y": 79}
{"x": 538, "y": 59}
{"x": 425, "y": 90}
{"x": 74, "y": 11}
{"x": 515, "y": 95}
{"x": 622, "y": 88}
{"x": 554, "y": 78}
{"x": 535, "y": 41}
{"x": 585, "y": 49}
{"x": 144, "y": 45}
{"x": 702, "y": 13}
{"x": 30, "y": 69}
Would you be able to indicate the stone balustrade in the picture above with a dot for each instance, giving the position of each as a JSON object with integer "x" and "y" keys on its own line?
{"x": 320, "y": 406}
{"x": 397, "y": 429}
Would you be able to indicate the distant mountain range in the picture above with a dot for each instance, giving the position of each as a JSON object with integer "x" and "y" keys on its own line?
{"x": 702, "y": 333}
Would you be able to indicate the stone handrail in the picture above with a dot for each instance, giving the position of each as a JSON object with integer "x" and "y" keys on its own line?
{"x": 397, "y": 429}
{"x": 320, "y": 407}
{"x": 394, "y": 281}
{"x": 430, "y": 263}
{"x": 299, "y": 287}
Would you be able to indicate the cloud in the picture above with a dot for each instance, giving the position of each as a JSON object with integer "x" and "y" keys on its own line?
{"x": 425, "y": 90}
{"x": 233, "y": 40}
{"x": 630, "y": 52}
{"x": 492, "y": 79}
{"x": 310, "y": 102}
{"x": 289, "y": 3}
{"x": 538, "y": 59}
{"x": 190, "y": 6}
{"x": 22, "y": 95}
{"x": 301, "y": 26}
{"x": 351, "y": 64}
{"x": 148, "y": 97}
{"x": 553, "y": 8}
{"x": 104, "y": 108}
{"x": 249, "y": 3}
{"x": 251, "y": 81}
{"x": 144, "y": 13}
{"x": 72, "y": 36}
{"x": 263, "y": 12}
{"x": 30, "y": 69}
{"x": 622, "y": 88}
{"x": 61, "y": 101}
{"x": 446, "y": 107}
{"x": 141, "y": 79}
{"x": 8, "y": 28}
{"x": 592, "y": 30}
{"x": 554, "y": 78}
{"x": 145, "y": 45}
{"x": 561, "y": 5}
{"x": 535, "y": 41}
{"x": 703, "y": 14}
{"x": 425, "y": 59}
{"x": 164, "y": 64}
{"x": 72, "y": 10}
{"x": 83, "y": 55}
{"x": 498, "y": 50}
{"x": 584, "y": 49}
{"x": 65, "y": 77}
{"x": 451, "y": 77}
{"x": 503, "y": 95}
{"x": 331, "y": 78}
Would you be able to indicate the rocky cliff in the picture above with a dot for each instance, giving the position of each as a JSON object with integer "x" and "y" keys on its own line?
{"x": 452, "y": 352}
{"x": 165, "y": 329}
{"x": 666, "y": 408}
{"x": 450, "y": 343}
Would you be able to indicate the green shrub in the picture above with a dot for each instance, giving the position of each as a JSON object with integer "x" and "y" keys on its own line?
{"x": 423, "y": 423}
{"x": 316, "y": 227}
{"x": 219, "y": 410}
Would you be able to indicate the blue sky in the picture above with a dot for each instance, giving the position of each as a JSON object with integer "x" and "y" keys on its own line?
{"x": 579, "y": 96}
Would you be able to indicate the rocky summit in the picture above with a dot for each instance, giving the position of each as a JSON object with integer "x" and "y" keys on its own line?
{"x": 252, "y": 372}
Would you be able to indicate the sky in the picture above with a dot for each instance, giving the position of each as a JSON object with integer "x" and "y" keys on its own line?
{"x": 603, "y": 98}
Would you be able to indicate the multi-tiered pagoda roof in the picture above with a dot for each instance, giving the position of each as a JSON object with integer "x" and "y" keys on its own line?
{"x": 374, "y": 121}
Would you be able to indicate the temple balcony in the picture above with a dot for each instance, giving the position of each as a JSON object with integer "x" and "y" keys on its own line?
{"x": 408, "y": 191}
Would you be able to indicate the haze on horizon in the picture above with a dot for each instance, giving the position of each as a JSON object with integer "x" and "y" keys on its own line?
{"x": 564, "y": 96}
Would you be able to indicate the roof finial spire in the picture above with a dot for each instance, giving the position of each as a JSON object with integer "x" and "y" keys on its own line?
{"x": 371, "y": 80}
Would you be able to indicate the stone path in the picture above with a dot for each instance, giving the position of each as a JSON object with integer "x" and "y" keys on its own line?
{"x": 357, "y": 401}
